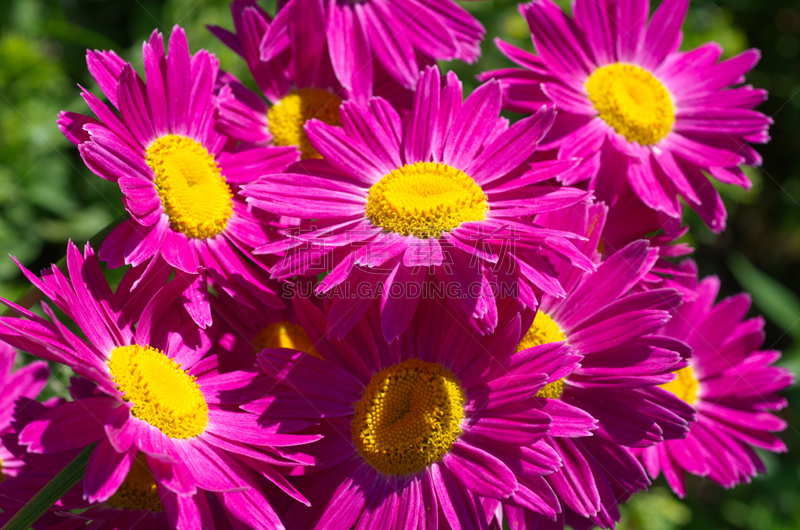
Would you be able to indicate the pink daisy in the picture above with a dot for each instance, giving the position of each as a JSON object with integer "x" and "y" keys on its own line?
{"x": 613, "y": 331}
{"x": 732, "y": 385}
{"x": 430, "y": 431}
{"x": 158, "y": 394}
{"x": 632, "y": 105}
{"x": 450, "y": 190}
{"x": 179, "y": 178}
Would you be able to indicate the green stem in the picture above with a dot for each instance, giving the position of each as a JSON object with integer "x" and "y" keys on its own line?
{"x": 54, "y": 490}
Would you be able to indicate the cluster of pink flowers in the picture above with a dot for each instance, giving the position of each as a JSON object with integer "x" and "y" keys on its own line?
{"x": 360, "y": 299}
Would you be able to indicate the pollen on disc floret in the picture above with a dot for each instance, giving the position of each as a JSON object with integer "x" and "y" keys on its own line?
{"x": 138, "y": 491}
{"x": 408, "y": 417}
{"x": 284, "y": 334}
{"x": 192, "y": 189}
{"x": 632, "y": 101}
{"x": 287, "y": 117}
{"x": 543, "y": 330}
{"x": 684, "y": 385}
{"x": 163, "y": 395}
{"x": 425, "y": 199}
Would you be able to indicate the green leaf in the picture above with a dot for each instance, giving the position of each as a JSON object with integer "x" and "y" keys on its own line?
{"x": 775, "y": 300}
{"x": 59, "y": 485}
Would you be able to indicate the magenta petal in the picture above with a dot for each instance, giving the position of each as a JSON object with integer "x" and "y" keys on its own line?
{"x": 68, "y": 425}
{"x": 593, "y": 18}
{"x": 575, "y": 483}
{"x": 512, "y": 147}
{"x": 349, "y": 49}
{"x": 664, "y": 34}
{"x": 105, "y": 67}
{"x": 568, "y": 100}
{"x": 479, "y": 471}
{"x": 105, "y": 471}
{"x": 154, "y": 66}
{"x": 398, "y": 311}
{"x": 347, "y": 154}
{"x": 176, "y": 478}
{"x": 71, "y": 126}
{"x": 378, "y": 126}
{"x": 144, "y": 242}
{"x": 472, "y": 125}
{"x": 616, "y": 275}
{"x": 523, "y": 425}
{"x": 133, "y": 106}
{"x": 119, "y": 429}
{"x": 425, "y": 29}
{"x": 458, "y": 507}
{"x": 348, "y": 499}
{"x": 424, "y": 130}
{"x": 28, "y": 381}
{"x": 179, "y": 252}
{"x": 313, "y": 376}
{"x": 112, "y": 251}
{"x": 568, "y": 421}
{"x": 276, "y": 40}
{"x": 178, "y": 83}
{"x": 558, "y": 41}
{"x": 391, "y": 47}
{"x": 655, "y": 193}
{"x": 150, "y": 440}
{"x": 631, "y": 22}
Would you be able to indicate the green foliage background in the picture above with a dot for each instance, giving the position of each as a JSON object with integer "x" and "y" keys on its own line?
{"x": 47, "y": 195}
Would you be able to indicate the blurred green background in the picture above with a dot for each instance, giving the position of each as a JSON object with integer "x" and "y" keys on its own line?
{"x": 48, "y": 196}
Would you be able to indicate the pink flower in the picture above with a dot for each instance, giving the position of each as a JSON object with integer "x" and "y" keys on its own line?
{"x": 733, "y": 386}
{"x": 638, "y": 111}
{"x": 452, "y": 190}
{"x": 158, "y": 397}
{"x": 179, "y": 177}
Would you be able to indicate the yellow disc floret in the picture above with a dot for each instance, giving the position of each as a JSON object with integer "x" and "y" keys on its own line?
{"x": 138, "y": 491}
{"x": 684, "y": 385}
{"x": 162, "y": 394}
{"x": 193, "y": 191}
{"x": 287, "y": 117}
{"x": 284, "y": 334}
{"x": 552, "y": 390}
{"x": 409, "y": 417}
{"x": 632, "y": 101}
{"x": 425, "y": 199}
{"x": 544, "y": 330}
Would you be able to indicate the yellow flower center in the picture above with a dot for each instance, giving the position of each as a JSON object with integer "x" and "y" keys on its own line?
{"x": 138, "y": 491}
{"x": 632, "y": 101}
{"x": 552, "y": 390}
{"x": 284, "y": 335}
{"x": 287, "y": 117}
{"x": 409, "y": 417}
{"x": 425, "y": 199}
{"x": 684, "y": 385}
{"x": 544, "y": 330}
{"x": 163, "y": 395}
{"x": 193, "y": 191}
